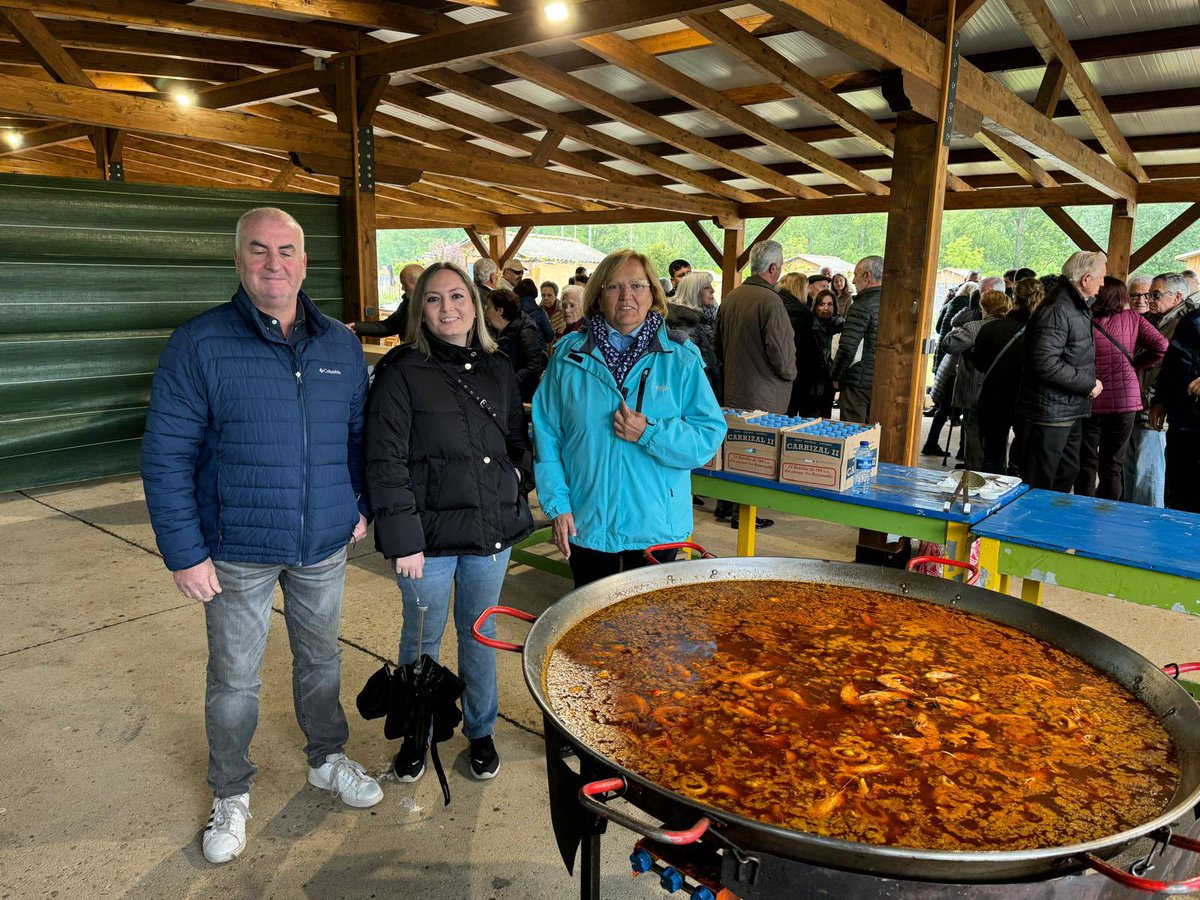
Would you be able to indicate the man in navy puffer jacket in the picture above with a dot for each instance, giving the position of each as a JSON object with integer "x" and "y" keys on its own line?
{"x": 252, "y": 464}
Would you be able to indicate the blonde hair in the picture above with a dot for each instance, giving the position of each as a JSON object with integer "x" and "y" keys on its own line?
{"x": 416, "y": 335}
{"x": 607, "y": 268}
{"x": 994, "y": 303}
{"x": 1028, "y": 294}
{"x": 687, "y": 292}
{"x": 795, "y": 283}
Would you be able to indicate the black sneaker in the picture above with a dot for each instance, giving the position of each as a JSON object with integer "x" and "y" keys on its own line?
{"x": 407, "y": 765}
{"x": 485, "y": 761}
{"x": 932, "y": 450}
{"x": 758, "y": 523}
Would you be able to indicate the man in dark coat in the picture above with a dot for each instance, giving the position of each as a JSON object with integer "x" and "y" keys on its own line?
{"x": 1059, "y": 378}
{"x": 1177, "y": 402}
{"x": 854, "y": 368}
{"x": 397, "y": 322}
{"x": 754, "y": 338}
{"x": 252, "y": 465}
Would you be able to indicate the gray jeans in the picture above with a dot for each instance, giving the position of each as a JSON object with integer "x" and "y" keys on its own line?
{"x": 855, "y": 404}
{"x": 238, "y": 619}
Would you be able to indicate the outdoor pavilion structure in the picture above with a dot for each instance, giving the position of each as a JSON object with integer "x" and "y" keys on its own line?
{"x": 494, "y": 114}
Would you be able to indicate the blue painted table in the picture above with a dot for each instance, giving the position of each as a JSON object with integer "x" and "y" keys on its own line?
{"x": 1138, "y": 553}
{"x": 902, "y": 500}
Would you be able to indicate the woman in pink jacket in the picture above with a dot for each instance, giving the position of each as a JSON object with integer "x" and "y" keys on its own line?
{"x": 1125, "y": 342}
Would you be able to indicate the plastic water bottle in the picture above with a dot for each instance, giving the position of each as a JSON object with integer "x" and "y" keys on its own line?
{"x": 864, "y": 462}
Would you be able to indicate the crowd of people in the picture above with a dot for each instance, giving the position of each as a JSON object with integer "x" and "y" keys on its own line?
{"x": 267, "y": 450}
{"x": 1068, "y": 380}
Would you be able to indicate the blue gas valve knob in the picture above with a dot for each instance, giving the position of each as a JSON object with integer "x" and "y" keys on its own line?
{"x": 641, "y": 861}
{"x": 671, "y": 880}
{"x": 703, "y": 893}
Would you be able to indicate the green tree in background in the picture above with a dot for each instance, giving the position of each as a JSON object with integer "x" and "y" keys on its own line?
{"x": 992, "y": 240}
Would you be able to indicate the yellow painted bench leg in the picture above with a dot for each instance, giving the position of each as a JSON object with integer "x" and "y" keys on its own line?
{"x": 1005, "y": 584}
{"x": 745, "y": 538}
{"x": 989, "y": 563}
{"x": 1031, "y": 591}
{"x": 958, "y": 546}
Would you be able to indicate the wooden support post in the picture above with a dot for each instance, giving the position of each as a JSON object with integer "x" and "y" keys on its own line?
{"x": 911, "y": 260}
{"x": 497, "y": 241}
{"x": 735, "y": 239}
{"x": 1166, "y": 234}
{"x": 1120, "y": 238}
{"x": 360, "y": 284}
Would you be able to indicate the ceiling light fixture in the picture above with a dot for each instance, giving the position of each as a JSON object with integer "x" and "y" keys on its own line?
{"x": 556, "y": 12}
{"x": 184, "y": 97}
{"x": 14, "y": 139}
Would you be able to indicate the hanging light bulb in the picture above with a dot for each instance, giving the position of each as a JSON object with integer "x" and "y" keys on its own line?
{"x": 14, "y": 139}
{"x": 556, "y": 12}
{"x": 184, "y": 97}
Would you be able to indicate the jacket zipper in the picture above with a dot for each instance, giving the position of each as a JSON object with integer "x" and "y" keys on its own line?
{"x": 304, "y": 458}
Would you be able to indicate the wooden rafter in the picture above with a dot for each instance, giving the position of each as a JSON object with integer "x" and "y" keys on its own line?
{"x": 514, "y": 246}
{"x": 545, "y": 148}
{"x": 964, "y": 12}
{"x": 266, "y": 86}
{"x": 199, "y": 20}
{"x": 367, "y": 13}
{"x": 540, "y": 118}
{"x": 906, "y": 46}
{"x": 730, "y": 34}
{"x": 1051, "y": 88}
{"x": 79, "y": 35}
{"x": 621, "y": 52}
{"x": 1043, "y": 30}
{"x": 518, "y": 31}
{"x": 568, "y": 86}
{"x": 1017, "y": 158}
{"x": 103, "y": 62}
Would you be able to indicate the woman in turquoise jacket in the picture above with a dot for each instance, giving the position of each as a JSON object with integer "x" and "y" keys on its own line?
{"x": 622, "y": 416}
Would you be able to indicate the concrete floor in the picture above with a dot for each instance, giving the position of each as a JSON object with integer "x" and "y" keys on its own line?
{"x": 101, "y": 692}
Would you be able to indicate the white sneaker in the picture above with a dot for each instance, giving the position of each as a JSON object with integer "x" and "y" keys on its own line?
{"x": 225, "y": 833}
{"x": 346, "y": 779}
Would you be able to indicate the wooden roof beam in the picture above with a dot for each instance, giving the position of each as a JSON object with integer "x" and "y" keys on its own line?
{"x": 622, "y": 53}
{"x": 804, "y": 87}
{"x": 539, "y": 118}
{"x": 139, "y": 64}
{"x": 1043, "y": 30}
{"x": 201, "y": 21}
{"x": 365, "y": 13}
{"x": 520, "y": 30}
{"x": 267, "y": 86}
{"x": 908, "y": 47}
{"x": 82, "y": 35}
{"x": 539, "y": 73}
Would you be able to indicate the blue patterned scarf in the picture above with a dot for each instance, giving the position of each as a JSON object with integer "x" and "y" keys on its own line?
{"x": 620, "y": 362}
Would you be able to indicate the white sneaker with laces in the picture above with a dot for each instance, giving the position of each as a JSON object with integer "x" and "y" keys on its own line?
{"x": 225, "y": 833}
{"x": 346, "y": 780}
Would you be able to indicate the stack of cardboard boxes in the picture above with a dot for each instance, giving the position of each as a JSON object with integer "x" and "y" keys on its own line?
{"x": 793, "y": 449}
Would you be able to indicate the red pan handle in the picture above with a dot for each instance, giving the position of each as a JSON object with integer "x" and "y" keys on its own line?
{"x": 1146, "y": 885}
{"x": 677, "y": 545}
{"x": 970, "y": 567}
{"x": 588, "y": 797}
{"x": 1177, "y": 669}
{"x": 492, "y": 642}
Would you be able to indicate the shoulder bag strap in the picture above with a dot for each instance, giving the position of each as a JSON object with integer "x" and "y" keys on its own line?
{"x": 1112, "y": 340}
{"x": 481, "y": 402}
{"x": 999, "y": 356}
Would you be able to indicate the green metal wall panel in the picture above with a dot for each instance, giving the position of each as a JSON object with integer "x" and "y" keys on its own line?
{"x": 93, "y": 278}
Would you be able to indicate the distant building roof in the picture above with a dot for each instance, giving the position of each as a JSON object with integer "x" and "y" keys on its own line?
{"x": 1182, "y": 257}
{"x": 551, "y": 248}
{"x": 819, "y": 262}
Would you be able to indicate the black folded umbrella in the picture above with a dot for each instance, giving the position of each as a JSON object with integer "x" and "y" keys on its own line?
{"x": 424, "y": 709}
{"x": 420, "y": 700}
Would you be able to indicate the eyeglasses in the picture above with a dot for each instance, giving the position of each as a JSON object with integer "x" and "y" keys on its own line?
{"x": 614, "y": 288}
{"x": 517, "y": 272}
{"x": 1140, "y": 296}
{"x": 1158, "y": 295}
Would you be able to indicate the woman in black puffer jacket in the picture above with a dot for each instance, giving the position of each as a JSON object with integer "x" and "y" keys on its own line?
{"x": 445, "y": 434}
{"x": 518, "y": 339}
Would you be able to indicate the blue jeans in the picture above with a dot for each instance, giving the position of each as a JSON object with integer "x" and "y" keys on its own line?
{"x": 238, "y": 619}
{"x": 476, "y": 581}
{"x": 1146, "y": 467}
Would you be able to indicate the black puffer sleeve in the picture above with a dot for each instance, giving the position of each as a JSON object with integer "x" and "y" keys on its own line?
{"x": 398, "y": 529}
